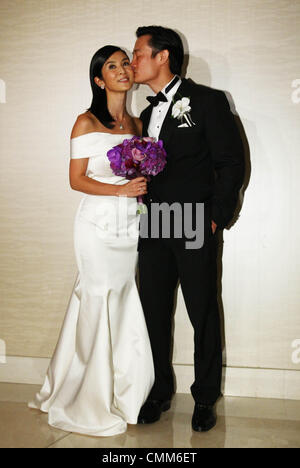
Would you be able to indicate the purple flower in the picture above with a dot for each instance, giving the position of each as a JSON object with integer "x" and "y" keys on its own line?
{"x": 139, "y": 156}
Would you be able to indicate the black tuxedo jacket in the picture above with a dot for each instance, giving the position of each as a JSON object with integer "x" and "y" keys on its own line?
{"x": 205, "y": 163}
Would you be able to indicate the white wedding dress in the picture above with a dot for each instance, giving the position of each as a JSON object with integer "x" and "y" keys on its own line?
{"x": 101, "y": 371}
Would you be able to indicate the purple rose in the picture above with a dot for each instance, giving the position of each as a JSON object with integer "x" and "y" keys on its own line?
{"x": 138, "y": 156}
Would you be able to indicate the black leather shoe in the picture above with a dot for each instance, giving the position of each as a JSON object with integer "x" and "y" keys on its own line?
{"x": 151, "y": 411}
{"x": 204, "y": 418}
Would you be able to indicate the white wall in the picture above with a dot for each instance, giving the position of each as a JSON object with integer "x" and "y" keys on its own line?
{"x": 249, "y": 49}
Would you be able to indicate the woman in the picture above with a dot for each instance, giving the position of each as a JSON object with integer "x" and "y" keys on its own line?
{"x": 102, "y": 370}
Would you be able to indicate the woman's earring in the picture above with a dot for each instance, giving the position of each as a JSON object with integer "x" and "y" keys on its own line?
{"x": 102, "y": 86}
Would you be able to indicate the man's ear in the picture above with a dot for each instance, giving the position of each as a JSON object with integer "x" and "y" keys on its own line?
{"x": 163, "y": 56}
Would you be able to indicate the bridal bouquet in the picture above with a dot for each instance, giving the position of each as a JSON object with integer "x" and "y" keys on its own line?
{"x": 139, "y": 156}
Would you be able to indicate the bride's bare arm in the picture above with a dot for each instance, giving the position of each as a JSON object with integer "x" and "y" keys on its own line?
{"x": 79, "y": 181}
{"x": 82, "y": 183}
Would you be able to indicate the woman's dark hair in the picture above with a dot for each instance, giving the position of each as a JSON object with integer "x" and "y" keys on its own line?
{"x": 164, "y": 38}
{"x": 99, "y": 101}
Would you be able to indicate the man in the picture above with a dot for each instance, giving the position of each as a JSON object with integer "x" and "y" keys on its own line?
{"x": 205, "y": 165}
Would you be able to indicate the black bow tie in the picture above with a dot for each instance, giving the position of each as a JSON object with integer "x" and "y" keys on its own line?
{"x": 154, "y": 100}
{"x": 160, "y": 97}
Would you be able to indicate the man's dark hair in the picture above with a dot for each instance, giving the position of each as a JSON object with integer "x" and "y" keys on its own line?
{"x": 165, "y": 39}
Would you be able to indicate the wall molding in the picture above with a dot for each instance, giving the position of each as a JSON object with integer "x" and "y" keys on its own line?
{"x": 237, "y": 381}
{"x": 248, "y": 382}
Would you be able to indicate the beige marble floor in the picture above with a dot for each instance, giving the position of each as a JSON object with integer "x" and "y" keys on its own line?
{"x": 242, "y": 422}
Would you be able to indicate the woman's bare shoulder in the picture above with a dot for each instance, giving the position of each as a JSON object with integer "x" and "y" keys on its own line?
{"x": 84, "y": 124}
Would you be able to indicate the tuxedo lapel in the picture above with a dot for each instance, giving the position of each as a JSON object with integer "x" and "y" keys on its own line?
{"x": 170, "y": 123}
{"x": 146, "y": 119}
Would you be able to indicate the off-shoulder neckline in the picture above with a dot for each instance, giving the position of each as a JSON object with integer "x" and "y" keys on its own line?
{"x": 102, "y": 133}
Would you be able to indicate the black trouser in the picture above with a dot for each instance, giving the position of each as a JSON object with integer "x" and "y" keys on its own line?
{"x": 162, "y": 262}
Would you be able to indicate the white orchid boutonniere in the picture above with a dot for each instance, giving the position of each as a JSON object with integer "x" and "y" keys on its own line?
{"x": 181, "y": 111}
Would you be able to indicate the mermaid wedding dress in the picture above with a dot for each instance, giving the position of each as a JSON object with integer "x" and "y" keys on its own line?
{"x": 101, "y": 371}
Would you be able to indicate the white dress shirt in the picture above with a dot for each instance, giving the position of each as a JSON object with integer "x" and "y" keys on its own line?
{"x": 160, "y": 111}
